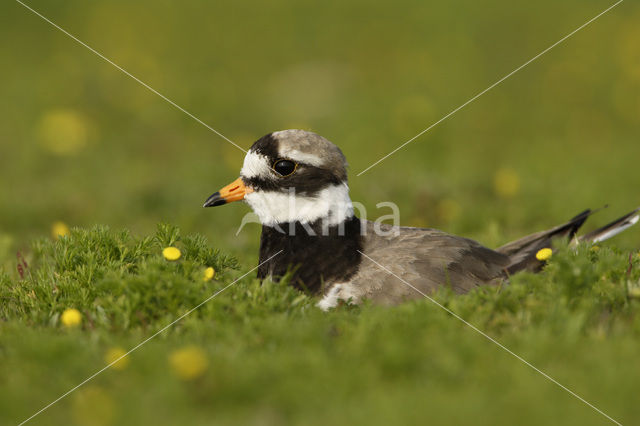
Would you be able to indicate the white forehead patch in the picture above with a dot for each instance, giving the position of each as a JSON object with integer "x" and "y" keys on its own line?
{"x": 255, "y": 165}
{"x": 301, "y": 157}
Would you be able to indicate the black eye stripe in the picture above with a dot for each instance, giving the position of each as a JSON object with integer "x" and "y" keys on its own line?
{"x": 284, "y": 167}
{"x": 307, "y": 182}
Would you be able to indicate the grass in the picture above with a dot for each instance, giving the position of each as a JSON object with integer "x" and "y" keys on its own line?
{"x": 83, "y": 144}
{"x": 272, "y": 357}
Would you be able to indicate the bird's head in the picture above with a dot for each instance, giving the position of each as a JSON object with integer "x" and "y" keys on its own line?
{"x": 291, "y": 176}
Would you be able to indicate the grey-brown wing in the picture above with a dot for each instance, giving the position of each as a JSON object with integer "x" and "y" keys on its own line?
{"x": 426, "y": 259}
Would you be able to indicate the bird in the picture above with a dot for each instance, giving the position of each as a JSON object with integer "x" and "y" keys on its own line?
{"x": 295, "y": 181}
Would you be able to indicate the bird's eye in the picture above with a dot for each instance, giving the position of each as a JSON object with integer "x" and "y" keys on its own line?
{"x": 284, "y": 167}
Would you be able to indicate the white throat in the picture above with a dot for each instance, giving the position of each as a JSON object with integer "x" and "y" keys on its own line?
{"x": 332, "y": 205}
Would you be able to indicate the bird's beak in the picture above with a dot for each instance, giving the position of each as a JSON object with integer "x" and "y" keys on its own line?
{"x": 235, "y": 191}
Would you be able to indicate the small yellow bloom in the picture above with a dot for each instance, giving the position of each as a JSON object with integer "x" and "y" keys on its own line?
{"x": 119, "y": 356}
{"x": 544, "y": 254}
{"x": 63, "y": 132}
{"x": 506, "y": 183}
{"x": 59, "y": 229}
{"x": 171, "y": 253}
{"x": 71, "y": 317}
{"x": 208, "y": 274}
{"x": 189, "y": 362}
{"x": 595, "y": 249}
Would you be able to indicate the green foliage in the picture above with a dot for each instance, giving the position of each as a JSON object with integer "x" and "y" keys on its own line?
{"x": 114, "y": 279}
{"x": 582, "y": 290}
{"x": 271, "y": 353}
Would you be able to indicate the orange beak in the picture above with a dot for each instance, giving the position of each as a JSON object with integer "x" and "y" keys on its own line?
{"x": 235, "y": 191}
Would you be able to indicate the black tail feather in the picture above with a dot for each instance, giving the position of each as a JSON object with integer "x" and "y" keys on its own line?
{"x": 522, "y": 252}
{"x": 612, "y": 229}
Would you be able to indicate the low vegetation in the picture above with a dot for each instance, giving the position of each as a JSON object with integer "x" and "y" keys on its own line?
{"x": 263, "y": 354}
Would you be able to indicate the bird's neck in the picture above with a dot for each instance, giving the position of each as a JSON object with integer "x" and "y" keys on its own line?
{"x": 330, "y": 205}
{"x": 317, "y": 255}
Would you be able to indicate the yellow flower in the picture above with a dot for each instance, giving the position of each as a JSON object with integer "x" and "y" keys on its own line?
{"x": 544, "y": 254}
{"x": 188, "y": 363}
{"x": 208, "y": 274}
{"x": 506, "y": 183}
{"x": 171, "y": 253}
{"x": 59, "y": 229}
{"x": 63, "y": 132}
{"x": 71, "y": 317}
{"x": 119, "y": 356}
{"x": 595, "y": 248}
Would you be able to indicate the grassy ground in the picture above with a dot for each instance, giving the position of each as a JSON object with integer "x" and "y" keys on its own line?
{"x": 82, "y": 144}
{"x": 264, "y": 355}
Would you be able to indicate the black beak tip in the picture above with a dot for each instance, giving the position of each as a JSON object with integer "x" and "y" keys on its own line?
{"x": 214, "y": 200}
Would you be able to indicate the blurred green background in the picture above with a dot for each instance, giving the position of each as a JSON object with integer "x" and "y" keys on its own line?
{"x": 81, "y": 143}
